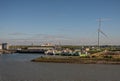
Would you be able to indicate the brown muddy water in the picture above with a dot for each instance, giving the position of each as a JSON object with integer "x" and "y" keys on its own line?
{"x": 18, "y": 67}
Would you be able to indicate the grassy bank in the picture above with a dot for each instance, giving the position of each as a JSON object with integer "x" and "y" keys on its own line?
{"x": 77, "y": 60}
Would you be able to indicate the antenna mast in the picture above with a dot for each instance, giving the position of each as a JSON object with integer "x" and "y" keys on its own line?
{"x": 99, "y": 33}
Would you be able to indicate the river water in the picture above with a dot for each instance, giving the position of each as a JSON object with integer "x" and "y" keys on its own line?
{"x": 17, "y": 67}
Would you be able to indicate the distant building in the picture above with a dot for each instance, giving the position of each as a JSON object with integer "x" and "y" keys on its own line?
{"x": 47, "y": 44}
{"x": 0, "y": 46}
{"x": 41, "y": 48}
{"x": 5, "y": 46}
{"x": 87, "y": 49}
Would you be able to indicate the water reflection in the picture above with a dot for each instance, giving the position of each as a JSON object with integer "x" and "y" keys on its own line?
{"x": 18, "y": 57}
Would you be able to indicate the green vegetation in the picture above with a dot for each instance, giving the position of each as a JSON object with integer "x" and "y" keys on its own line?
{"x": 93, "y": 51}
{"x": 98, "y": 58}
{"x": 78, "y": 60}
{"x": 72, "y": 47}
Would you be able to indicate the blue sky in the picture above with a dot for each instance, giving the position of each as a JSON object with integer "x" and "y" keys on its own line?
{"x": 65, "y": 21}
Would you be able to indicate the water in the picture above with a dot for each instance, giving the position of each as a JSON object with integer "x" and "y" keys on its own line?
{"x": 17, "y": 67}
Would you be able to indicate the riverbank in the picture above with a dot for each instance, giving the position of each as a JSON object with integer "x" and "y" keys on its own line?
{"x": 77, "y": 60}
{"x": 7, "y": 51}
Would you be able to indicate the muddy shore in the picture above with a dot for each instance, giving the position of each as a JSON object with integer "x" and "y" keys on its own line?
{"x": 77, "y": 60}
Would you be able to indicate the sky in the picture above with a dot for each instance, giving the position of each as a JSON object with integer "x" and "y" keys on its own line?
{"x": 68, "y": 22}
